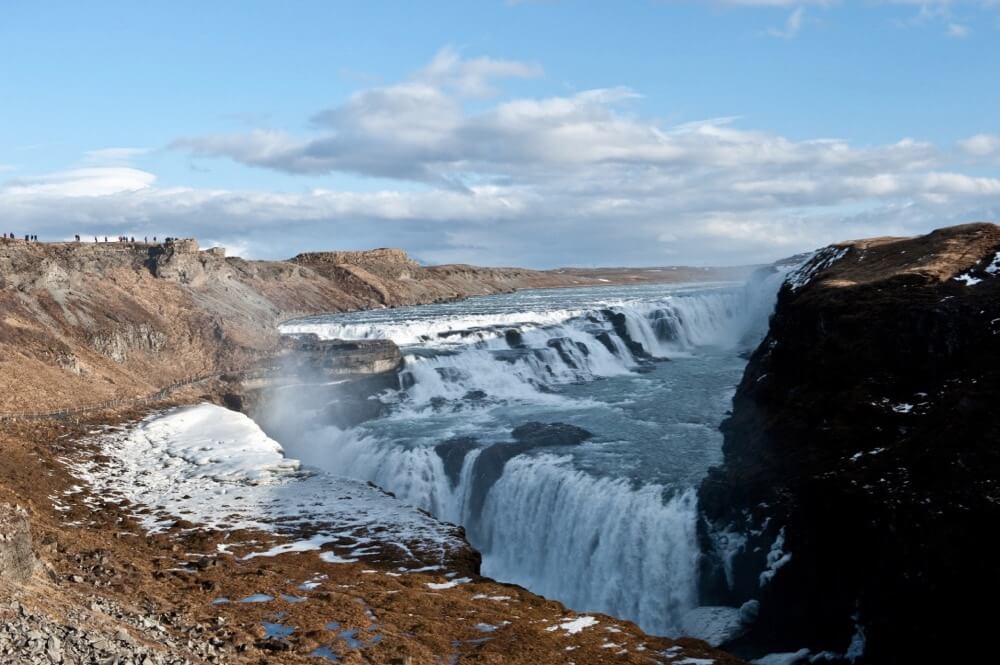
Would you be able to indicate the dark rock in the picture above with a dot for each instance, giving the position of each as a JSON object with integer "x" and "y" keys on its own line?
{"x": 452, "y": 452}
{"x": 605, "y": 339}
{"x": 233, "y": 402}
{"x": 514, "y": 338}
{"x": 861, "y": 458}
{"x": 539, "y": 434}
{"x": 560, "y": 344}
{"x": 490, "y": 464}
{"x": 618, "y": 322}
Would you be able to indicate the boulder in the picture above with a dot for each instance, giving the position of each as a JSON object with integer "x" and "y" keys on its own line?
{"x": 16, "y": 557}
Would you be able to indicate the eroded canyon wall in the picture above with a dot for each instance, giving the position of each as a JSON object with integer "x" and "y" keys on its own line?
{"x": 860, "y": 480}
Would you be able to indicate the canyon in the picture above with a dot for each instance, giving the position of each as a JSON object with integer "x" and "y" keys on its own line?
{"x": 845, "y": 516}
{"x": 111, "y": 343}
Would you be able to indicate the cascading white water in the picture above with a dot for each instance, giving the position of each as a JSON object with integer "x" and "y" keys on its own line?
{"x": 592, "y": 542}
{"x": 606, "y": 526}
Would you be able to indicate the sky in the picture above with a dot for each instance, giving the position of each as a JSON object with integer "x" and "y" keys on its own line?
{"x": 537, "y": 133}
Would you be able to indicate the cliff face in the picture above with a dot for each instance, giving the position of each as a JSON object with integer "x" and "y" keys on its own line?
{"x": 860, "y": 476}
{"x": 82, "y": 323}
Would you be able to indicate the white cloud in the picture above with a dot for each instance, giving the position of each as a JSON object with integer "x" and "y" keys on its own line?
{"x": 472, "y": 77}
{"x": 957, "y": 31}
{"x": 87, "y": 182}
{"x": 421, "y": 132}
{"x": 793, "y": 24}
{"x": 578, "y": 178}
{"x": 981, "y": 144}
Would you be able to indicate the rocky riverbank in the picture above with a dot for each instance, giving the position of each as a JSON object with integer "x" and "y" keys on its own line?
{"x": 106, "y": 588}
{"x": 861, "y": 458}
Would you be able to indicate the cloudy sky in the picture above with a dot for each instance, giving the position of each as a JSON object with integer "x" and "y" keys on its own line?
{"x": 536, "y": 133}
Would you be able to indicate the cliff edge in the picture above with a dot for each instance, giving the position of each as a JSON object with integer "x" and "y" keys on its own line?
{"x": 88, "y": 322}
{"x": 861, "y": 460}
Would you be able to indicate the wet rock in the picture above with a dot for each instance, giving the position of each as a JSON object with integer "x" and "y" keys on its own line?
{"x": 490, "y": 464}
{"x": 475, "y": 396}
{"x": 561, "y": 346}
{"x": 618, "y": 322}
{"x": 550, "y": 434}
{"x": 514, "y": 338}
{"x": 452, "y": 453}
{"x": 604, "y": 338}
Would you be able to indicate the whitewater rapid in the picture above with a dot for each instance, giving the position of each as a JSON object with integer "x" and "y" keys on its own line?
{"x": 607, "y": 524}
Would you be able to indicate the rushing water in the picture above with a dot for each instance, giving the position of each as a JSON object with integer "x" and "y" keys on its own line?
{"x": 605, "y": 525}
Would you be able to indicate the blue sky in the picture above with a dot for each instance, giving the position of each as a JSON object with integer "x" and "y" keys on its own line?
{"x": 533, "y": 133}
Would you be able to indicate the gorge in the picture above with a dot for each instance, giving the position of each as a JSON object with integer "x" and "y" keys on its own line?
{"x": 573, "y": 433}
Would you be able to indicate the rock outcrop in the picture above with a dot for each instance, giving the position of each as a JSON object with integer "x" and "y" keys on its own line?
{"x": 861, "y": 461}
{"x": 99, "y": 321}
{"x": 16, "y": 557}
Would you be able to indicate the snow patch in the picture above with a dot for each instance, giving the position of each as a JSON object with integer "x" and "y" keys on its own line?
{"x": 776, "y": 558}
{"x": 574, "y": 626}
{"x": 450, "y": 584}
{"x": 968, "y": 279}
{"x": 994, "y": 267}
{"x": 333, "y": 557}
{"x": 819, "y": 261}
{"x": 216, "y": 467}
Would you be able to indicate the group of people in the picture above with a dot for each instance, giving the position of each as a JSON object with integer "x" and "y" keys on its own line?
{"x": 130, "y": 239}
{"x": 27, "y": 237}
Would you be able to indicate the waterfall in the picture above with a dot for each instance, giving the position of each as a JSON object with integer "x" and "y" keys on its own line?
{"x": 592, "y": 540}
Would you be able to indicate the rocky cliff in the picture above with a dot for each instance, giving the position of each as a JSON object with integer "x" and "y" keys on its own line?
{"x": 88, "y": 322}
{"x": 860, "y": 478}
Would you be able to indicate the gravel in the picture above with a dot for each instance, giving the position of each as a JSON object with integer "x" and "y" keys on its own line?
{"x": 35, "y": 638}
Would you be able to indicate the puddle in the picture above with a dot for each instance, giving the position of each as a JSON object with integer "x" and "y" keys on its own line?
{"x": 325, "y": 652}
{"x": 351, "y": 637}
{"x": 276, "y": 631}
{"x": 288, "y": 598}
{"x": 221, "y": 601}
{"x": 311, "y": 584}
{"x": 258, "y": 598}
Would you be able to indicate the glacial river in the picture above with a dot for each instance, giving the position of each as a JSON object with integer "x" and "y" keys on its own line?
{"x": 606, "y": 524}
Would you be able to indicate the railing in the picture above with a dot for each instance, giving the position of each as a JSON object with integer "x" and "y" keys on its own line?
{"x": 116, "y": 403}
